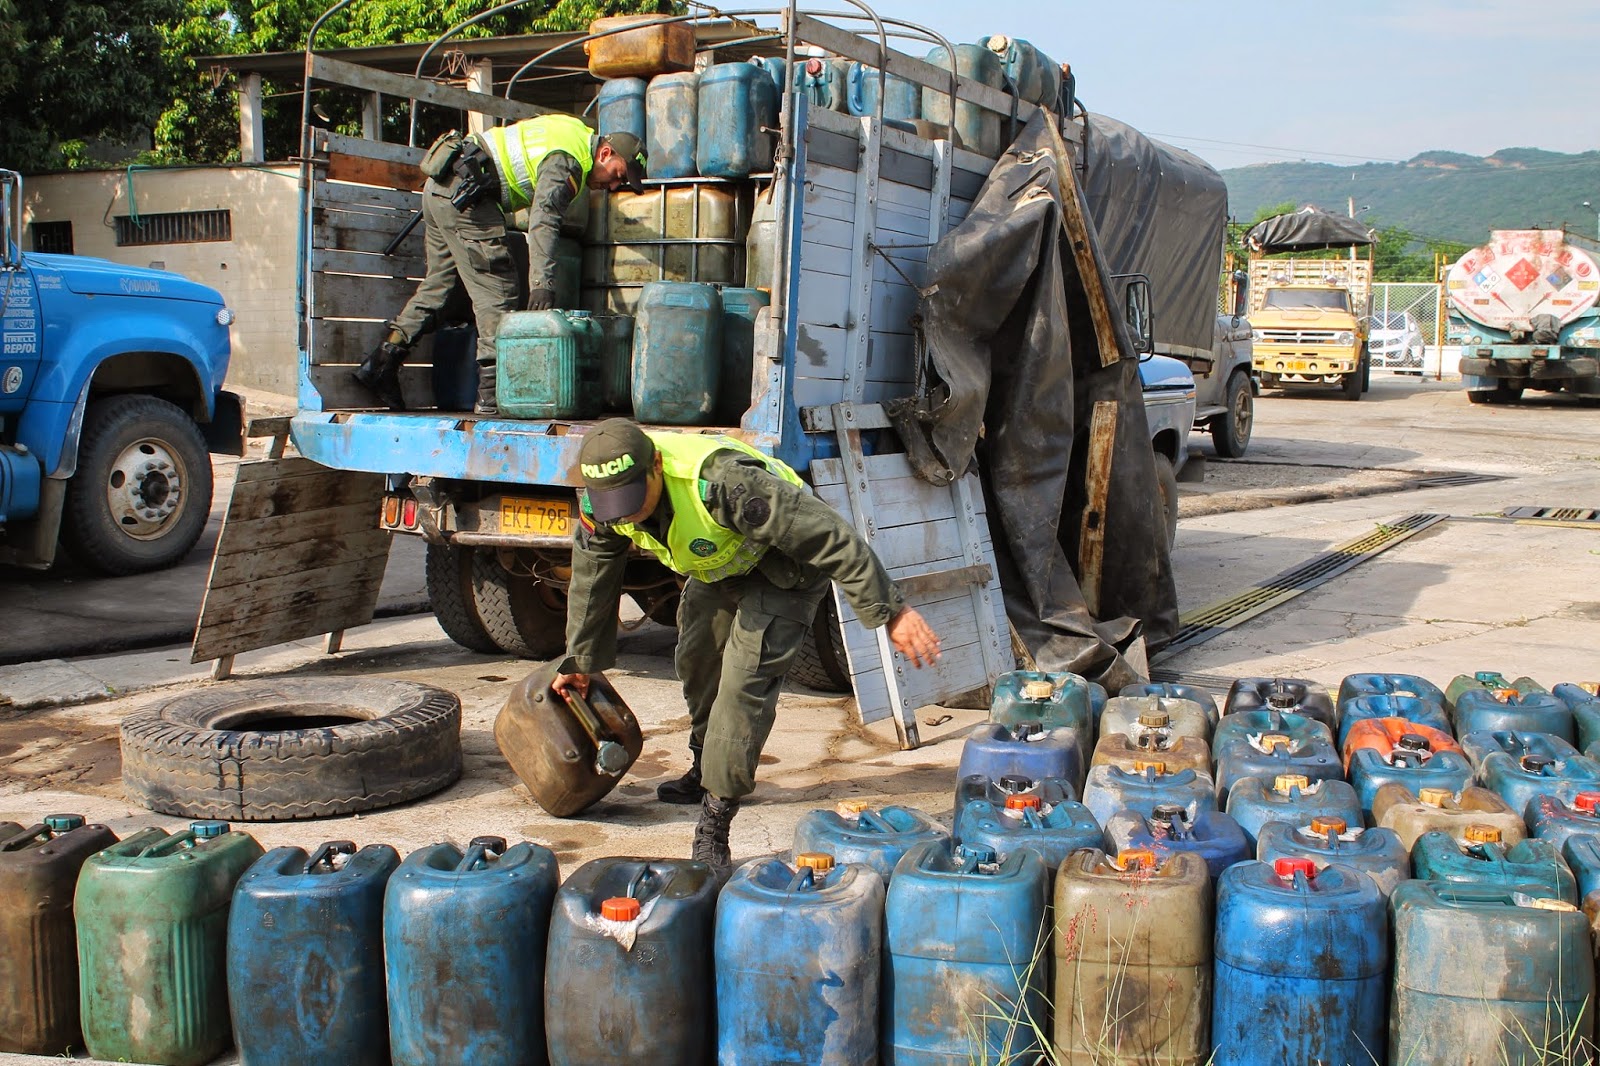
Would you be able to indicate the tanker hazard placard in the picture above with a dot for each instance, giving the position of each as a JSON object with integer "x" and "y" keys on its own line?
{"x": 1521, "y": 273}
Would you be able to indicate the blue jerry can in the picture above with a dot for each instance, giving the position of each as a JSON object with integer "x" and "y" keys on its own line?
{"x": 1050, "y": 790}
{"x": 1404, "y": 686}
{"x": 1244, "y": 724}
{"x": 1411, "y": 708}
{"x": 464, "y": 935}
{"x": 677, "y": 353}
{"x": 798, "y": 960}
{"x": 1054, "y": 700}
{"x": 671, "y": 124}
{"x": 1556, "y": 820}
{"x": 866, "y": 85}
{"x": 876, "y": 838}
{"x": 1023, "y": 750}
{"x": 1211, "y": 834}
{"x": 1481, "y": 858}
{"x": 628, "y": 973}
{"x": 1302, "y": 959}
{"x": 1486, "y": 973}
{"x": 1025, "y": 822}
{"x": 977, "y": 128}
{"x": 1378, "y": 853}
{"x": 1542, "y": 770}
{"x": 738, "y": 105}
{"x": 1135, "y": 716}
{"x": 1110, "y": 789}
{"x": 1482, "y": 743}
{"x": 1305, "y": 752}
{"x": 1253, "y": 802}
{"x": 1415, "y": 767}
{"x": 1582, "y": 856}
{"x": 1030, "y": 74}
{"x": 305, "y": 956}
{"x": 1501, "y": 709}
{"x": 740, "y": 308}
{"x": 1581, "y": 700}
{"x": 1288, "y": 695}
{"x": 1174, "y": 691}
{"x": 965, "y": 970}
{"x": 619, "y": 107}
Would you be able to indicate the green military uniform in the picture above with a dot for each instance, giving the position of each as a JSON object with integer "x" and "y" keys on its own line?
{"x": 759, "y": 551}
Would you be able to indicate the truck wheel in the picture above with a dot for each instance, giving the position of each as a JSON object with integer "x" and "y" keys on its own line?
{"x": 822, "y": 665}
{"x": 449, "y": 581}
{"x": 142, "y": 493}
{"x": 1167, "y": 485}
{"x": 522, "y": 615}
{"x": 1351, "y": 385}
{"x": 1230, "y": 431}
{"x": 288, "y": 748}
{"x": 1366, "y": 373}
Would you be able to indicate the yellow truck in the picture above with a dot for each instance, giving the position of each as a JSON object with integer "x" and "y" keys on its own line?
{"x": 1309, "y": 316}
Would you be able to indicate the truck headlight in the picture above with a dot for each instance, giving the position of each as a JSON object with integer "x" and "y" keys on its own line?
{"x": 1255, "y": 335}
{"x": 1345, "y": 338}
{"x": 225, "y": 317}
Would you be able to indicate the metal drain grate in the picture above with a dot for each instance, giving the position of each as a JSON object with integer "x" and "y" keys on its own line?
{"x": 1579, "y": 515}
{"x": 1452, "y": 480}
{"x": 1209, "y": 682}
{"x": 1200, "y": 626}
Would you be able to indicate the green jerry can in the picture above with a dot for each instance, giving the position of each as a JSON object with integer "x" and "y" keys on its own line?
{"x": 548, "y": 365}
{"x": 152, "y": 935}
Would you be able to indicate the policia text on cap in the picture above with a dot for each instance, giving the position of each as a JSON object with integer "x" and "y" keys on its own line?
{"x": 474, "y": 185}
{"x": 758, "y": 550}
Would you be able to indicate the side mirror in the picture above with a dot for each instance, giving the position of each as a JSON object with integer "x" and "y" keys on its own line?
{"x": 1241, "y": 294}
{"x": 1136, "y": 311}
{"x": 10, "y": 220}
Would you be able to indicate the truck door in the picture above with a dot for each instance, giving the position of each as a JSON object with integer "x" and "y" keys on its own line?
{"x": 20, "y": 336}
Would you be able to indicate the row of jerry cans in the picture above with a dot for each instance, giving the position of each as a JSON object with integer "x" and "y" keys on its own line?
{"x": 719, "y": 123}
{"x": 687, "y": 358}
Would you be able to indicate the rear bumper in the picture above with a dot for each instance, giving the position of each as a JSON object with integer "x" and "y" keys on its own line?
{"x": 1501, "y": 368}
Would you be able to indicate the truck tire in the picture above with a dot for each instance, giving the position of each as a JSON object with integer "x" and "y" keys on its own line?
{"x": 289, "y": 748}
{"x": 1230, "y": 431}
{"x": 1167, "y": 485}
{"x": 1350, "y": 385}
{"x": 821, "y": 665}
{"x": 514, "y": 610}
{"x": 1366, "y": 373}
{"x": 449, "y": 581}
{"x": 1501, "y": 393}
{"x": 142, "y": 493}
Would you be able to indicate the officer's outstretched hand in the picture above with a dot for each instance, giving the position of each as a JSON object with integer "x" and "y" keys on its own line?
{"x": 567, "y": 684}
{"x": 914, "y": 638}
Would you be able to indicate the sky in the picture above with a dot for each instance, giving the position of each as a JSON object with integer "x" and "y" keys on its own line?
{"x": 1260, "y": 81}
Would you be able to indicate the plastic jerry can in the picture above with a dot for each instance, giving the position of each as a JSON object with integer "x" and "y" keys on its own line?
{"x": 1174, "y": 691}
{"x": 38, "y": 937}
{"x": 1404, "y": 686}
{"x": 655, "y": 47}
{"x": 1232, "y": 728}
{"x": 977, "y": 128}
{"x": 1582, "y": 856}
{"x": 1479, "y": 745}
{"x": 677, "y": 353}
{"x": 1520, "y": 779}
{"x": 619, "y": 107}
{"x": 965, "y": 977}
{"x": 1556, "y": 820}
{"x": 152, "y": 936}
{"x": 1487, "y": 974}
{"x": 1138, "y": 715}
{"x": 454, "y": 372}
{"x": 1212, "y": 835}
{"x": 1405, "y": 753}
{"x": 1420, "y": 711}
{"x": 614, "y": 336}
{"x": 672, "y": 123}
{"x": 1130, "y": 752}
{"x": 305, "y": 956}
{"x": 823, "y": 81}
{"x": 1536, "y": 865}
{"x": 1290, "y": 695}
{"x": 776, "y": 69}
{"x": 1132, "y": 948}
{"x": 737, "y": 106}
{"x": 1500, "y": 709}
{"x": 1054, "y": 700}
{"x": 1270, "y": 754}
{"x": 1581, "y": 700}
{"x": 547, "y": 365}
{"x": 1378, "y": 853}
{"x": 568, "y": 750}
{"x": 1023, "y": 750}
{"x": 464, "y": 934}
{"x": 1302, "y": 960}
{"x": 1025, "y": 823}
{"x": 1492, "y": 680}
{"x": 1254, "y": 802}
{"x": 1110, "y": 789}
{"x": 1030, "y": 74}
{"x": 867, "y": 86}
{"x": 740, "y": 307}
{"x": 876, "y": 838}
{"x": 1412, "y": 814}
{"x": 628, "y": 976}
{"x": 997, "y": 790}
{"x": 798, "y": 959}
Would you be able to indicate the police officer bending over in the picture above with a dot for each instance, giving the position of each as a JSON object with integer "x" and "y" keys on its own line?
{"x": 758, "y": 550}
{"x": 474, "y": 184}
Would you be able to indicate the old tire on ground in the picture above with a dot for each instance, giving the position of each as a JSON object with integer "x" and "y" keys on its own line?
{"x": 1167, "y": 485}
{"x": 1230, "y": 431}
{"x": 514, "y": 610}
{"x": 270, "y": 751}
{"x": 142, "y": 493}
{"x": 449, "y": 582}
{"x": 821, "y": 665}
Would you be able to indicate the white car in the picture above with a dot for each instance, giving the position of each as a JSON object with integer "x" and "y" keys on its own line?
{"x": 1394, "y": 342}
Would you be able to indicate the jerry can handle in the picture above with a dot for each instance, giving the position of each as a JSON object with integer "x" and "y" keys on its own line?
{"x": 478, "y": 852}
{"x": 637, "y": 883}
{"x": 803, "y": 880}
{"x": 610, "y": 757}
{"x": 33, "y": 834}
{"x": 327, "y": 852}
{"x": 875, "y": 822}
{"x": 1030, "y": 815}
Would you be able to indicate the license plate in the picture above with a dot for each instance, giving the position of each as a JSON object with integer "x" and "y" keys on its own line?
{"x": 1296, "y": 366}
{"x": 543, "y": 517}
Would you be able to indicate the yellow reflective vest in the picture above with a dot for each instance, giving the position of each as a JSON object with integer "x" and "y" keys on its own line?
{"x": 518, "y": 150}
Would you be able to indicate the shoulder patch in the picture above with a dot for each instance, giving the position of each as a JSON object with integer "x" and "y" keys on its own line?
{"x": 756, "y": 511}
{"x": 702, "y": 547}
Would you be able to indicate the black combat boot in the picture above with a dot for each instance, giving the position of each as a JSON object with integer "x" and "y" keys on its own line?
{"x": 379, "y": 372}
{"x": 486, "y": 404}
{"x": 711, "y": 832}
{"x": 686, "y": 789}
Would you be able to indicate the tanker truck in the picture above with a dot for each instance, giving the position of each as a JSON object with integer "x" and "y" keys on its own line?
{"x": 1523, "y": 309}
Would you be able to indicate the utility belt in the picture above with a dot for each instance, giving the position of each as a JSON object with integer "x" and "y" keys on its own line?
{"x": 468, "y": 163}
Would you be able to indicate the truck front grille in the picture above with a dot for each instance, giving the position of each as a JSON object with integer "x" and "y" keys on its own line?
{"x": 1298, "y": 336}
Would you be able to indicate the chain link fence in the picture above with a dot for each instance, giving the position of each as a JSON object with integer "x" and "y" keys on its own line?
{"x": 1404, "y": 329}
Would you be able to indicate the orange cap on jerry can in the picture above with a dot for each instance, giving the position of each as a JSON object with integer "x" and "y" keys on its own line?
{"x": 1286, "y": 868}
{"x": 1587, "y": 802}
{"x": 1434, "y": 797}
{"x": 1324, "y": 824}
{"x": 1141, "y": 765}
{"x": 1505, "y": 695}
{"x": 1284, "y": 782}
{"x": 1136, "y": 859}
{"x": 851, "y": 808}
{"x": 1478, "y": 833}
{"x": 819, "y": 861}
{"x": 1022, "y": 803}
{"x": 1273, "y": 741}
{"x": 619, "y": 909}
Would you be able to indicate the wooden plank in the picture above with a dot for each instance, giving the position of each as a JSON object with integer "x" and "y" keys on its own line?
{"x": 309, "y": 553}
{"x": 832, "y": 149}
{"x": 372, "y": 240}
{"x": 1077, "y": 229}
{"x": 338, "y": 72}
{"x": 824, "y": 299}
{"x": 324, "y": 523}
{"x": 369, "y": 198}
{"x": 825, "y": 258}
{"x": 364, "y": 170}
{"x": 1092, "y": 531}
{"x": 282, "y": 628}
{"x": 906, "y": 169}
{"x": 344, "y": 296}
{"x": 256, "y": 602}
{"x": 958, "y": 578}
{"x": 328, "y": 142}
{"x": 863, "y": 298}
{"x": 300, "y": 495}
{"x": 821, "y": 178}
{"x": 338, "y": 261}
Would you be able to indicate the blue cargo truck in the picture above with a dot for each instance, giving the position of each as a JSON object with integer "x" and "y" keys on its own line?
{"x": 110, "y": 399}
{"x": 839, "y": 235}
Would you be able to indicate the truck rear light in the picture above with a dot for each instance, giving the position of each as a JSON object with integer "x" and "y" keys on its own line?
{"x": 408, "y": 514}
{"x": 391, "y": 510}
{"x": 1541, "y": 353}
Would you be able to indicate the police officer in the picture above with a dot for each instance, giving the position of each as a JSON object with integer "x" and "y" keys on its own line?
{"x": 758, "y": 550}
{"x": 474, "y": 184}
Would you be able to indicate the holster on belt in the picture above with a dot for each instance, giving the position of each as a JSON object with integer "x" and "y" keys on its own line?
{"x": 475, "y": 176}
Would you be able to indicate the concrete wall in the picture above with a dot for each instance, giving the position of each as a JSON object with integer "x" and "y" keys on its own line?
{"x": 255, "y": 271}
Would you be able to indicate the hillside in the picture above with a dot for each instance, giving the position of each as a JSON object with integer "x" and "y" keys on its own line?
{"x": 1443, "y": 195}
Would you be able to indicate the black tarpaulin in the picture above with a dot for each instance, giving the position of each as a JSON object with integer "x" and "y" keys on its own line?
{"x": 1306, "y": 230}
{"x": 1014, "y": 378}
{"x": 1161, "y": 212}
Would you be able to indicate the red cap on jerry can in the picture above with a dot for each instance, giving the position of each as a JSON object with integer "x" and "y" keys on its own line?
{"x": 1587, "y": 802}
{"x": 1022, "y": 803}
{"x": 619, "y": 909}
{"x": 1286, "y": 868}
